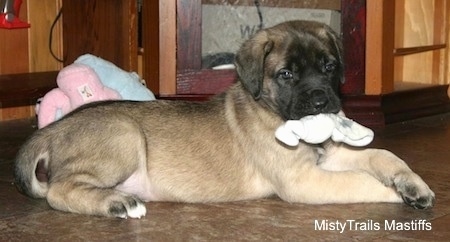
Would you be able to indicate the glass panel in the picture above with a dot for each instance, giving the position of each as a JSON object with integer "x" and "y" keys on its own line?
{"x": 422, "y": 68}
{"x": 226, "y": 25}
{"x": 419, "y": 23}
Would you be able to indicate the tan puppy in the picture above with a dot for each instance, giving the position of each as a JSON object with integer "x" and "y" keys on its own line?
{"x": 106, "y": 158}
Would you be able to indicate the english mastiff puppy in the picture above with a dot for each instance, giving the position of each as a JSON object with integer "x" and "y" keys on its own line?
{"x": 108, "y": 158}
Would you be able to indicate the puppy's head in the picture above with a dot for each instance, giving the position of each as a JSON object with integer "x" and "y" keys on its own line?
{"x": 294, "y": 68}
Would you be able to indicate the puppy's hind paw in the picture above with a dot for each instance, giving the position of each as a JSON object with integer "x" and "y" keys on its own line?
{"x": 131, "y": 207}
{"x": 414, "y": 191}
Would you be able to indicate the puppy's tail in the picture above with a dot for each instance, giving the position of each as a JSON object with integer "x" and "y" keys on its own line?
{"x": 31, "y": 168}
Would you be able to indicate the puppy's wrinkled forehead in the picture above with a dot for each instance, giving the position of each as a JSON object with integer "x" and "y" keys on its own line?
{"x": 295, "y": 42}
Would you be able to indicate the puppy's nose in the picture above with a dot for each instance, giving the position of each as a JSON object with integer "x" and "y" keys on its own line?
{"x": 319, "y": 99}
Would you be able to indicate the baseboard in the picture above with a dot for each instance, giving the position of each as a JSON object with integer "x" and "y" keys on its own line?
{"x": 378, "y": 110}
{"x": 364, "y": 109}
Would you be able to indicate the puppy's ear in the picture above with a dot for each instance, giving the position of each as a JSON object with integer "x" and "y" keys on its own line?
{"x": 250, "y": 61}
{"x": 336, "y": 44}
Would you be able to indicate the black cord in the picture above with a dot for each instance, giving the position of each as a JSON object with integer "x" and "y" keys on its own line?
{"x": 51, "y": 36}
{"x": 261, "y": 21}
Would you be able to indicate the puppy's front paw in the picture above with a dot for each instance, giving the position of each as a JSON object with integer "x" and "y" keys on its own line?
{"x": 414, "y": 191}
{"x": 128, "y": 207}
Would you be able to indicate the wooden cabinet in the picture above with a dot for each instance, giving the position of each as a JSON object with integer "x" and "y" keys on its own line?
{"x": 408, "y": 47}
{"x": 406, "y": 64}
{"x": 107, "y": 28}
{"x": 386, "y": 80}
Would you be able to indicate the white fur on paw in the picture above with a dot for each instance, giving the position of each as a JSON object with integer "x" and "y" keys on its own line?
{"x": 138, "y": 211}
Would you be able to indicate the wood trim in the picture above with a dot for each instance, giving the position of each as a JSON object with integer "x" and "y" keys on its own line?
{"x": 399, "y": 38}
{"x": 353, "y": 17}
{"x": 380, "y": 46}
{"x": 418, "y": 49}
{"x": 445, "y": 38}
{"x": 322, "y": 4}
{"x": 188, "y": 97}
{"x": 167, "y": 46}
{"x": 438, "y": 38}
{"x": 399, "y": 21}
{"x": 159, "y": 40}
{"x": 130, "y": 54}
{"x": 376, "y": 111}
{"x": 440, "y": 25}
{"x": 205, "y": 81}
{"x": 150, "y": 42}
{"x": 189, "y": 35}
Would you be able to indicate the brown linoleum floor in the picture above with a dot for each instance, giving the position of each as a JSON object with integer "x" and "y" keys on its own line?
{"x": 423, "y": 143}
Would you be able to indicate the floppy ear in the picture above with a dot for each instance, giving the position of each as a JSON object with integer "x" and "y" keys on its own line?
{"x": 250, "y": 61}
{"x": 337, "y": 45}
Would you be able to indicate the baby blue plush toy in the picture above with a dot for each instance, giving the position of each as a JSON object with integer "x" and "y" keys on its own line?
{"x": 127, "y": 84}
{"x": 316, "y": 129}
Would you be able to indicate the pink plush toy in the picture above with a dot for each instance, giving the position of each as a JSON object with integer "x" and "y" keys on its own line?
{"x": 78, "y": 84}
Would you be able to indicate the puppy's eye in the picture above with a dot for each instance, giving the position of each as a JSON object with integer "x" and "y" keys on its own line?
{"x": 285, "y": 74}
{"x": 330, "y": 67}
